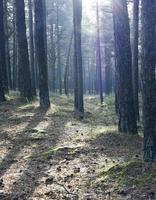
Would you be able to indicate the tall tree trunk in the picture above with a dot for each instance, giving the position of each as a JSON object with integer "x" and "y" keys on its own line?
{"x": 98, "y": 56}
{"x": 35, "y": 61}
{"x": 2, "y": 97}
{"x": 53, "y": 58}
{"x": 108, "y": 71}
{"x": 41, "y": 53}
{"x": 84, "y": 77}
{"x": 71, "y": 73}
{"x": 59, "y": 70}
{"x": 31, "y": 44}
{"x": 2, "y": 49}
{"x": 7, "y": 45}
{"x": 89, "y": 69}
{"x": 45, "y": 23}
{"x": 24, "y": 70}
{"x": 135, "y": 56}
{"x": 149, "y": 79}
{"x": 78, "y": 71}
{"x": 14, "y": 60}
{"x": 127, "y": 120}
{"x": 66, "y": 75}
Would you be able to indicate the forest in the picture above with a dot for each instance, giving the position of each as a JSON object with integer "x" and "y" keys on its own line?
{"x": 78, "y": 99}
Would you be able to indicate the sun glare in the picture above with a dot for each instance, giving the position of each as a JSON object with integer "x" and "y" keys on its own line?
{"x": 89, "y": 7}
{"x": 89, "y": 13}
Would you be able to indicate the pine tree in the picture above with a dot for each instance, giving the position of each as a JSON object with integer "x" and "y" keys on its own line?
{"x": 98, "y": 56}
{"x": 2, "y": 97}
{"x": 24, "y": 70}
{"x": 40, "y": 44}
{"x": 4, "y": 78}
{"x": 135, "y": 70}
{"x": 149, "y": 79}
{"x": 126, "y": 110}
{"x": 78, "y": 71}
{"x": 31, "y": 44}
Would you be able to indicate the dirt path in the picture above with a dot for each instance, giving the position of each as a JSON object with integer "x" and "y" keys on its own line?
{"x": 47, "y": 154}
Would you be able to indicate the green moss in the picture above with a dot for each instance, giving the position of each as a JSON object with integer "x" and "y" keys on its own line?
{"x": 100, "y": 114}
{"x": 128, "y": 174}
{"x": 110, "y": 99}
{"x": 36, "y": 135}
{"x": 103, "y": 130}
{"x": 51, "y": 151}
{"x": 13, "y": 94}
{"x": 36, "y": 132}
{"x": 28, "y": 106}
{"x": 53, "y": 110}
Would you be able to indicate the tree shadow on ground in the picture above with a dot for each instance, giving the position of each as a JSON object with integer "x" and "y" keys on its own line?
{"x": 110, "y": 145}
{"x": 18, "y": 142}
{"x": 100, "y": 118}
{"x": 33, "y": 175}
{"x": 9, "y": 111}
{"x": 113, "y": 144}
{"x": 28, "y": 181}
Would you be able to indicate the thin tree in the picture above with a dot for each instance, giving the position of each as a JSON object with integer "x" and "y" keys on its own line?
{"x": 149, "y": 79}
{"x": 40, "y": 35}
{"x": 66, "y": 74}
{"x": 14, "y": 56}
{"x": 135, "y": 70}
{"x": 126, "y": 110}
{"x": 78, "y": 71}
{"x": 2, "y": 97}
{"x": 31, "y": 45}
{"x": 98, "y": 56}
{"x": 24, "y": 70}
{"x": 108, "y": 71}
{"x": 52, "y": 57}
{"x": 7, "y": 36}
{"x": 59, "y": 70}
{"x": 2, "y": 49}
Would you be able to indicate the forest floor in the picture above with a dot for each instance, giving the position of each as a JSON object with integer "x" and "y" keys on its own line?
{"x": 48, "y": 154}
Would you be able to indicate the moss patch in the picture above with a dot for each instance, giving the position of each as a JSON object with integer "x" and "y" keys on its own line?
{"x": 59, "y": 150}
{"x": 102, "y": 130}
{"x": 128, "y": 175}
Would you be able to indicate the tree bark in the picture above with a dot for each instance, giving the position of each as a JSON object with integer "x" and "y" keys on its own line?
{"x": 98, "y": 57}
{"x": 66, "y": 75}
{"x": 135, "y": 70}
{"x": 2, "y": 50}
{"x": 127, "y": 119}
{"x": 78, "y": 71}
{"x": 14, "y": 60}
{"x": 149, "y": 79}
{"x": 24, "y": 70}
{"x": 31, "y": 45}
{"x": 41, "y": 53}
{"x": 59, "y": 70}
{"x": 53, "y": 58}
{"x": 2, "y": 97}
{"x": 108, "y": 71}
{"x": 7, "y": 45}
